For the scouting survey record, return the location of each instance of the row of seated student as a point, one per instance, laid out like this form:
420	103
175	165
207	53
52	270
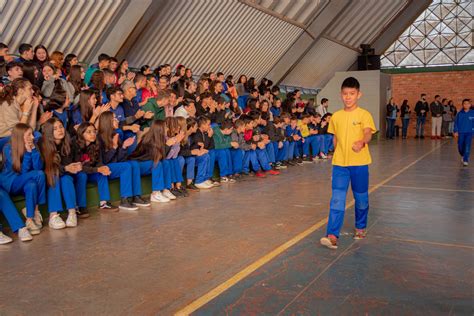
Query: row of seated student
59	131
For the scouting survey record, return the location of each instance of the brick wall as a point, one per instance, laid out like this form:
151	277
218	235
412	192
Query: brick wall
453	85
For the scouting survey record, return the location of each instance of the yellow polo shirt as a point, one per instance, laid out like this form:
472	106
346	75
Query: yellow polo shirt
304	129
348	127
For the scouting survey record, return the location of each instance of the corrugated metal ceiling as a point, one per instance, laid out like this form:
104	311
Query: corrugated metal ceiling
65	25
213	35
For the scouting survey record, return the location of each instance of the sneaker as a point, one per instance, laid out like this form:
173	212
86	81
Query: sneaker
280	166
82	212
140	202
329	241
273	172
204	185
465	163
38	218
126	205
108	207
215	183
159	197
56	222
71	220
32	227
176	193
360	234
260	174
323	156
24	234
299	161
291	163
4	239
422	137
227	180
183	191
192	187
169	195
307	160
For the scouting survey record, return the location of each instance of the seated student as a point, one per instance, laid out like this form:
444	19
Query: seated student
98	82
276	107
328	138
221	114
22	174
235	109
13	218
172	167
252	106
239	146
309	138
263	136
296	140
87	109
187	156
186	110
257	155
140	84
114	151
150	153
222	145
315	129
104	61
58	104
278	146
202	139
265	110
64	175
90	155
52	79
206	105
190	92
157	107
109	78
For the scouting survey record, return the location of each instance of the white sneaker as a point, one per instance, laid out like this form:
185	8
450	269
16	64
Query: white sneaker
38	219
71	220
323	156
465	163
24	234
208	182
56	222
159	197
169	195
225	179
4	239
216	184
32	227
204	185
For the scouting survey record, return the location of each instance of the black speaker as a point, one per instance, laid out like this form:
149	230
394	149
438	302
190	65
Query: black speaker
368	62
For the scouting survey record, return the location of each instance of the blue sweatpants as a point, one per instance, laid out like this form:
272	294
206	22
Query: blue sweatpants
262	157
328	142
270	148
224	160
314	142
172	172
122	170
202	168
358	176
211	164
464	145
237	155
281	154
190	163
10	212
33	186
148	167
69	187
250	157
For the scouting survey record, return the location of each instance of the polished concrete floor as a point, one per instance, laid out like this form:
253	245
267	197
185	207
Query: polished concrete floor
417	259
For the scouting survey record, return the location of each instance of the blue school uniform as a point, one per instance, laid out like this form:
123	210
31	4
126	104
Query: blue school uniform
295	147
464	126
30	181
9	210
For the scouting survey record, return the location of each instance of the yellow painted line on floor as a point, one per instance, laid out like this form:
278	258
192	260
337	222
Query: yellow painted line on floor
425	188
209	296
417	241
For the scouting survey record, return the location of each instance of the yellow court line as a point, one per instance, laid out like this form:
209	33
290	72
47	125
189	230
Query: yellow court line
201	301
424	188
417	241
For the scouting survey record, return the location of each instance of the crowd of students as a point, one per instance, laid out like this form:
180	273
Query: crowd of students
62	126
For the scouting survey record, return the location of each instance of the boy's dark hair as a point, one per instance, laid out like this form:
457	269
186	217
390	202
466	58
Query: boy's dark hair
238	123
285	115
113	59
3	46
276	89
324	100
316	115
188	102
265	91
466	100
254	115
144	67
11	65
138	77
203	120
253	90
293	118
149	77
437	96
219	74
108	72
190	122
226	125
423	95
24	47
110	91
103	57
162	95
220	100
205	95
350	82
277	120
304	116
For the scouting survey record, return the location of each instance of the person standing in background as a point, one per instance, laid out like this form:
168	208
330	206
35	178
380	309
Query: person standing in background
322	109
421	109
436	109
453	111
447	119
392	110
405	117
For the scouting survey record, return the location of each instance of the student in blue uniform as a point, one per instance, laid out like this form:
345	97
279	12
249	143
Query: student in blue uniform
64	175
8	209
464	129
22	174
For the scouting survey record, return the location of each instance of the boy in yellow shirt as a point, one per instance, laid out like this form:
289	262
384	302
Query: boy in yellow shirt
352	128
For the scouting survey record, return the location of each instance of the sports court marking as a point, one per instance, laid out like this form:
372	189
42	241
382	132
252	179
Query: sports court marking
417	241
425	188
209	296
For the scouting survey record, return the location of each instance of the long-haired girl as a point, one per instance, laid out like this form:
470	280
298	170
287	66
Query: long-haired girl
172	167
64	175
114	154
22	174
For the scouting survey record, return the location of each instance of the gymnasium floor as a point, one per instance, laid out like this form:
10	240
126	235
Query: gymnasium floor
253	248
